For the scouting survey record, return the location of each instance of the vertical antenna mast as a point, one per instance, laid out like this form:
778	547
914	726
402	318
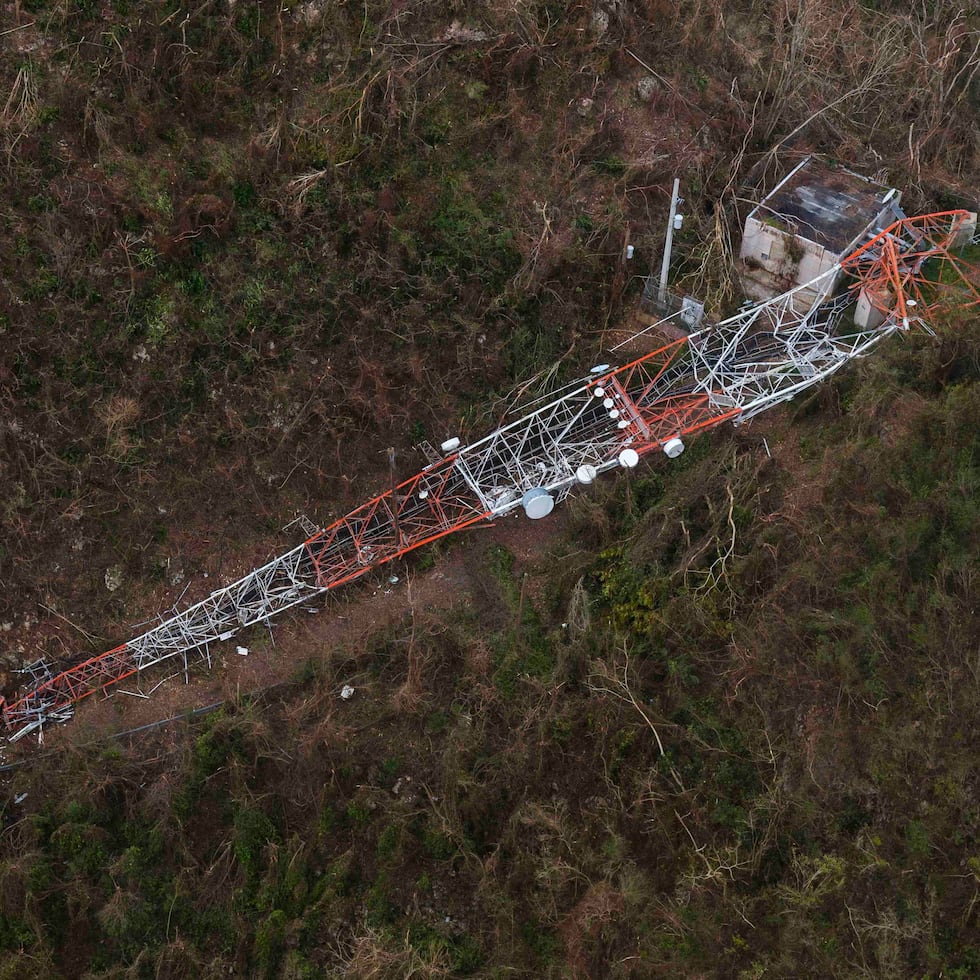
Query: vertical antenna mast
669	241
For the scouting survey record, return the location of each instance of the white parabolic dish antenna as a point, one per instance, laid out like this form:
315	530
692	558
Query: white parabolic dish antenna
585	474
538	503
628	458
673	448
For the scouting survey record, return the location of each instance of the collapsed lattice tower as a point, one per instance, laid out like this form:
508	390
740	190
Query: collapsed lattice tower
903	277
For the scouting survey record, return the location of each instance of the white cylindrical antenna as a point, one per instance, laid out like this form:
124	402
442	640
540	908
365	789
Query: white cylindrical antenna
673	447
538	503
450	445
678	222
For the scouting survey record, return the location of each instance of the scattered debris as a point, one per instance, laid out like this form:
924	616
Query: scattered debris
456	33
19	798
113	577
308	527
347	692
393	580
26	730
241	651
39	672
309	14
647	88
600	22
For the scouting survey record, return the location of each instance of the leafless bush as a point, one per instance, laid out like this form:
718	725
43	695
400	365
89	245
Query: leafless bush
411	694
22	103
613	678
300	187
579	614
373	956
20	111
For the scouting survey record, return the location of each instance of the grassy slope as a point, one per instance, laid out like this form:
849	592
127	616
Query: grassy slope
249	237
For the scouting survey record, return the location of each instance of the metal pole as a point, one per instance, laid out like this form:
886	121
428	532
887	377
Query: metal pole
662	295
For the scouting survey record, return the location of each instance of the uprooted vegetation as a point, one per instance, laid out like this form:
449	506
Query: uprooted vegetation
724	726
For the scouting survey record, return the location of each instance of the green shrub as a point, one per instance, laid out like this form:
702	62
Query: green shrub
253	831
270	941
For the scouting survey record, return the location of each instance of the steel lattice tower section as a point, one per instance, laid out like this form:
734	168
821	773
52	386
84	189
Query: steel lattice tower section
732	370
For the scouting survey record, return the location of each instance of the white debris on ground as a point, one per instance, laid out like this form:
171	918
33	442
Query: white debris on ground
241	651
347	692
456	33
113	577
647	88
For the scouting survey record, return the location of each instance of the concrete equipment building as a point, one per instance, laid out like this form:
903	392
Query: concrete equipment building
815	216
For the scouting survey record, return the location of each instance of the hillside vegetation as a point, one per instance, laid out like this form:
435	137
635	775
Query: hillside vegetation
723	724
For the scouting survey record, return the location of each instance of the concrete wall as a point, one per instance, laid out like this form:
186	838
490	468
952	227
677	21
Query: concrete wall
773	261
967	231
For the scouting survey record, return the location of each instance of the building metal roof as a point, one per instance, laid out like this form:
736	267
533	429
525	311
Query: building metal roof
824	204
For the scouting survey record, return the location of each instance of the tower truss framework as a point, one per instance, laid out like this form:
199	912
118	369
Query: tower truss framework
732	370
